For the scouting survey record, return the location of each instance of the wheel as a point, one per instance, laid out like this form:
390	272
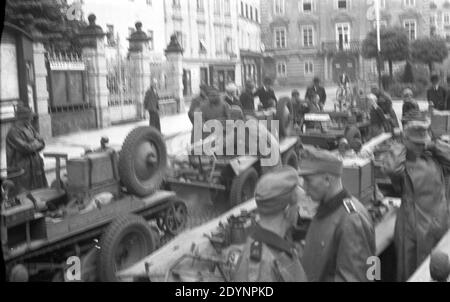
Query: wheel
291	159
143	161
175	219
243	187
284	116
126	241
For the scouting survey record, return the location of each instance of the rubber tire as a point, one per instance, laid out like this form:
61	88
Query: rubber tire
116	232
291	159
284	124
126	167
238	185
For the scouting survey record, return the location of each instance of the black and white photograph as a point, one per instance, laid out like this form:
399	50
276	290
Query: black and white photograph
214	144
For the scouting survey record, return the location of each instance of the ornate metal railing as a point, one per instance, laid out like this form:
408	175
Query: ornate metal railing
333	47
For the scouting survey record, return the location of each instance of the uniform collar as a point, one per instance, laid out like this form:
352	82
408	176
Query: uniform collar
272	240
331	205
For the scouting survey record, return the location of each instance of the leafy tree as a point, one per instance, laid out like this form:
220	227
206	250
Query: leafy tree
46	18
429	50
394	45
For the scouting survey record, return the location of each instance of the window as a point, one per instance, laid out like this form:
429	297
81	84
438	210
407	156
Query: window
227	7
176	4
242	9
256	15
218	40
149	2
382	4
251	13
309	67
411	28
343	35
151	39
342	4
203	48
217	7
306	6
279	6
200	5
410	3
308	36
229	43
280	37
432	20
246	11
446	19
281	69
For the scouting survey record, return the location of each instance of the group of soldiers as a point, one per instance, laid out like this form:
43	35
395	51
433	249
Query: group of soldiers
341	239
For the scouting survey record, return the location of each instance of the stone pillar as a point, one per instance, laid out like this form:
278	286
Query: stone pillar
174	55
92	40
326	68
42	96
140	60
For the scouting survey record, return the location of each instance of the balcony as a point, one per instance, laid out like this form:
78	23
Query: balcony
333	47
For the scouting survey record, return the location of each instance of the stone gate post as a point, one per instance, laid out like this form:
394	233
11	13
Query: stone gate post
92	39
42	95
140	59
174	55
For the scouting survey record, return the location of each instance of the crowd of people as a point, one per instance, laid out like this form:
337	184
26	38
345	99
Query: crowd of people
341	237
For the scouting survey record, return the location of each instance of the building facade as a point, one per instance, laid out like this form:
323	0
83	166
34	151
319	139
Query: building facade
440	18
308	38
208	33
249	39
118	18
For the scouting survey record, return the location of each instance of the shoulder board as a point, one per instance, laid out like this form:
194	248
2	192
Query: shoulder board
256	251
349	205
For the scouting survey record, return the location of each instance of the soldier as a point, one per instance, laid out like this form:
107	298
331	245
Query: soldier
341	237
316	88
247	98
151	103
23	145
266	95
418	168
267	255
230	96
198	102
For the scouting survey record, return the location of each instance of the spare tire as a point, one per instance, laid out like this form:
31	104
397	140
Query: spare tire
126	241
243	187
285	116
143	161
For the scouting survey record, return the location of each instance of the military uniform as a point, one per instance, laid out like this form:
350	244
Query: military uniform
423	218
267	256
340	239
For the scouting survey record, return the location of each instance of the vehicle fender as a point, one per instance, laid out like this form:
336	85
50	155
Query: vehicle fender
242	163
